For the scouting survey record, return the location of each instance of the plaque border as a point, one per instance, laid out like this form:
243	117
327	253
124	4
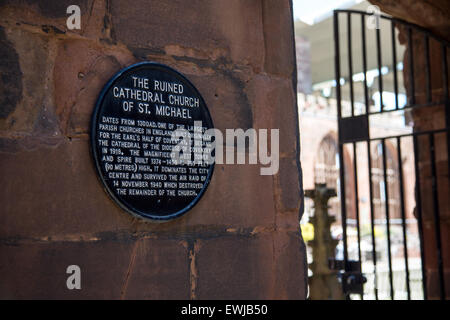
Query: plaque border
93	125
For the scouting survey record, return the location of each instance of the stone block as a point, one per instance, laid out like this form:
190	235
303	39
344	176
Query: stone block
237	197
160	270
274	103
37	270
235	268
55	191
264	266
291	268
278	38
46	16
82	69
63	195
28	59
226	101
231	26
288	185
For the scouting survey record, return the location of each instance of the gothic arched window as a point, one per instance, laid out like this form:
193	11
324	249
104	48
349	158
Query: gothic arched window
379	193
326	170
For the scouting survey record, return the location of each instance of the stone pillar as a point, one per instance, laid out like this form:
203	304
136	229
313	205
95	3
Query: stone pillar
241	241
323	284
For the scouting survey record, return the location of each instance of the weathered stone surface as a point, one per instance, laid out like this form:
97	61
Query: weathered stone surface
44	16
221	26
159	270
31	207
31	95
432	14
228	104
81	70
431	256
11	79
226	206
83	67
433	283
274	108
278	38
247	203
37	270
291	268
235	268
48	192
266	266
288	184
54	209
48	8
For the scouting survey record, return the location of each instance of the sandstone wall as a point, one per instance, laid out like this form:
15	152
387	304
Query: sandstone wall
242	239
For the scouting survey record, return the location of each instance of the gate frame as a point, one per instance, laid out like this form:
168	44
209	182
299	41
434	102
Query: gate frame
360	132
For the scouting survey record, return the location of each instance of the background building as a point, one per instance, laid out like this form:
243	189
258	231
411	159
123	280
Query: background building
319	135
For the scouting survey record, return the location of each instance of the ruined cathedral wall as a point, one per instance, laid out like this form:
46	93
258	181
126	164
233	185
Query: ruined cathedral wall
241	240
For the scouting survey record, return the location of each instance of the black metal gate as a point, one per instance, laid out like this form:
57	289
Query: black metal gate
397	178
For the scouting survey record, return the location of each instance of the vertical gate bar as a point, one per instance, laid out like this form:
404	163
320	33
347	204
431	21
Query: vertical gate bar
343	206
340	147
355	176
394	63
419	215
427	67
350	61
364	61
402	209
337	62
411	69
437	221
372	222
380	76
386	207
366	102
